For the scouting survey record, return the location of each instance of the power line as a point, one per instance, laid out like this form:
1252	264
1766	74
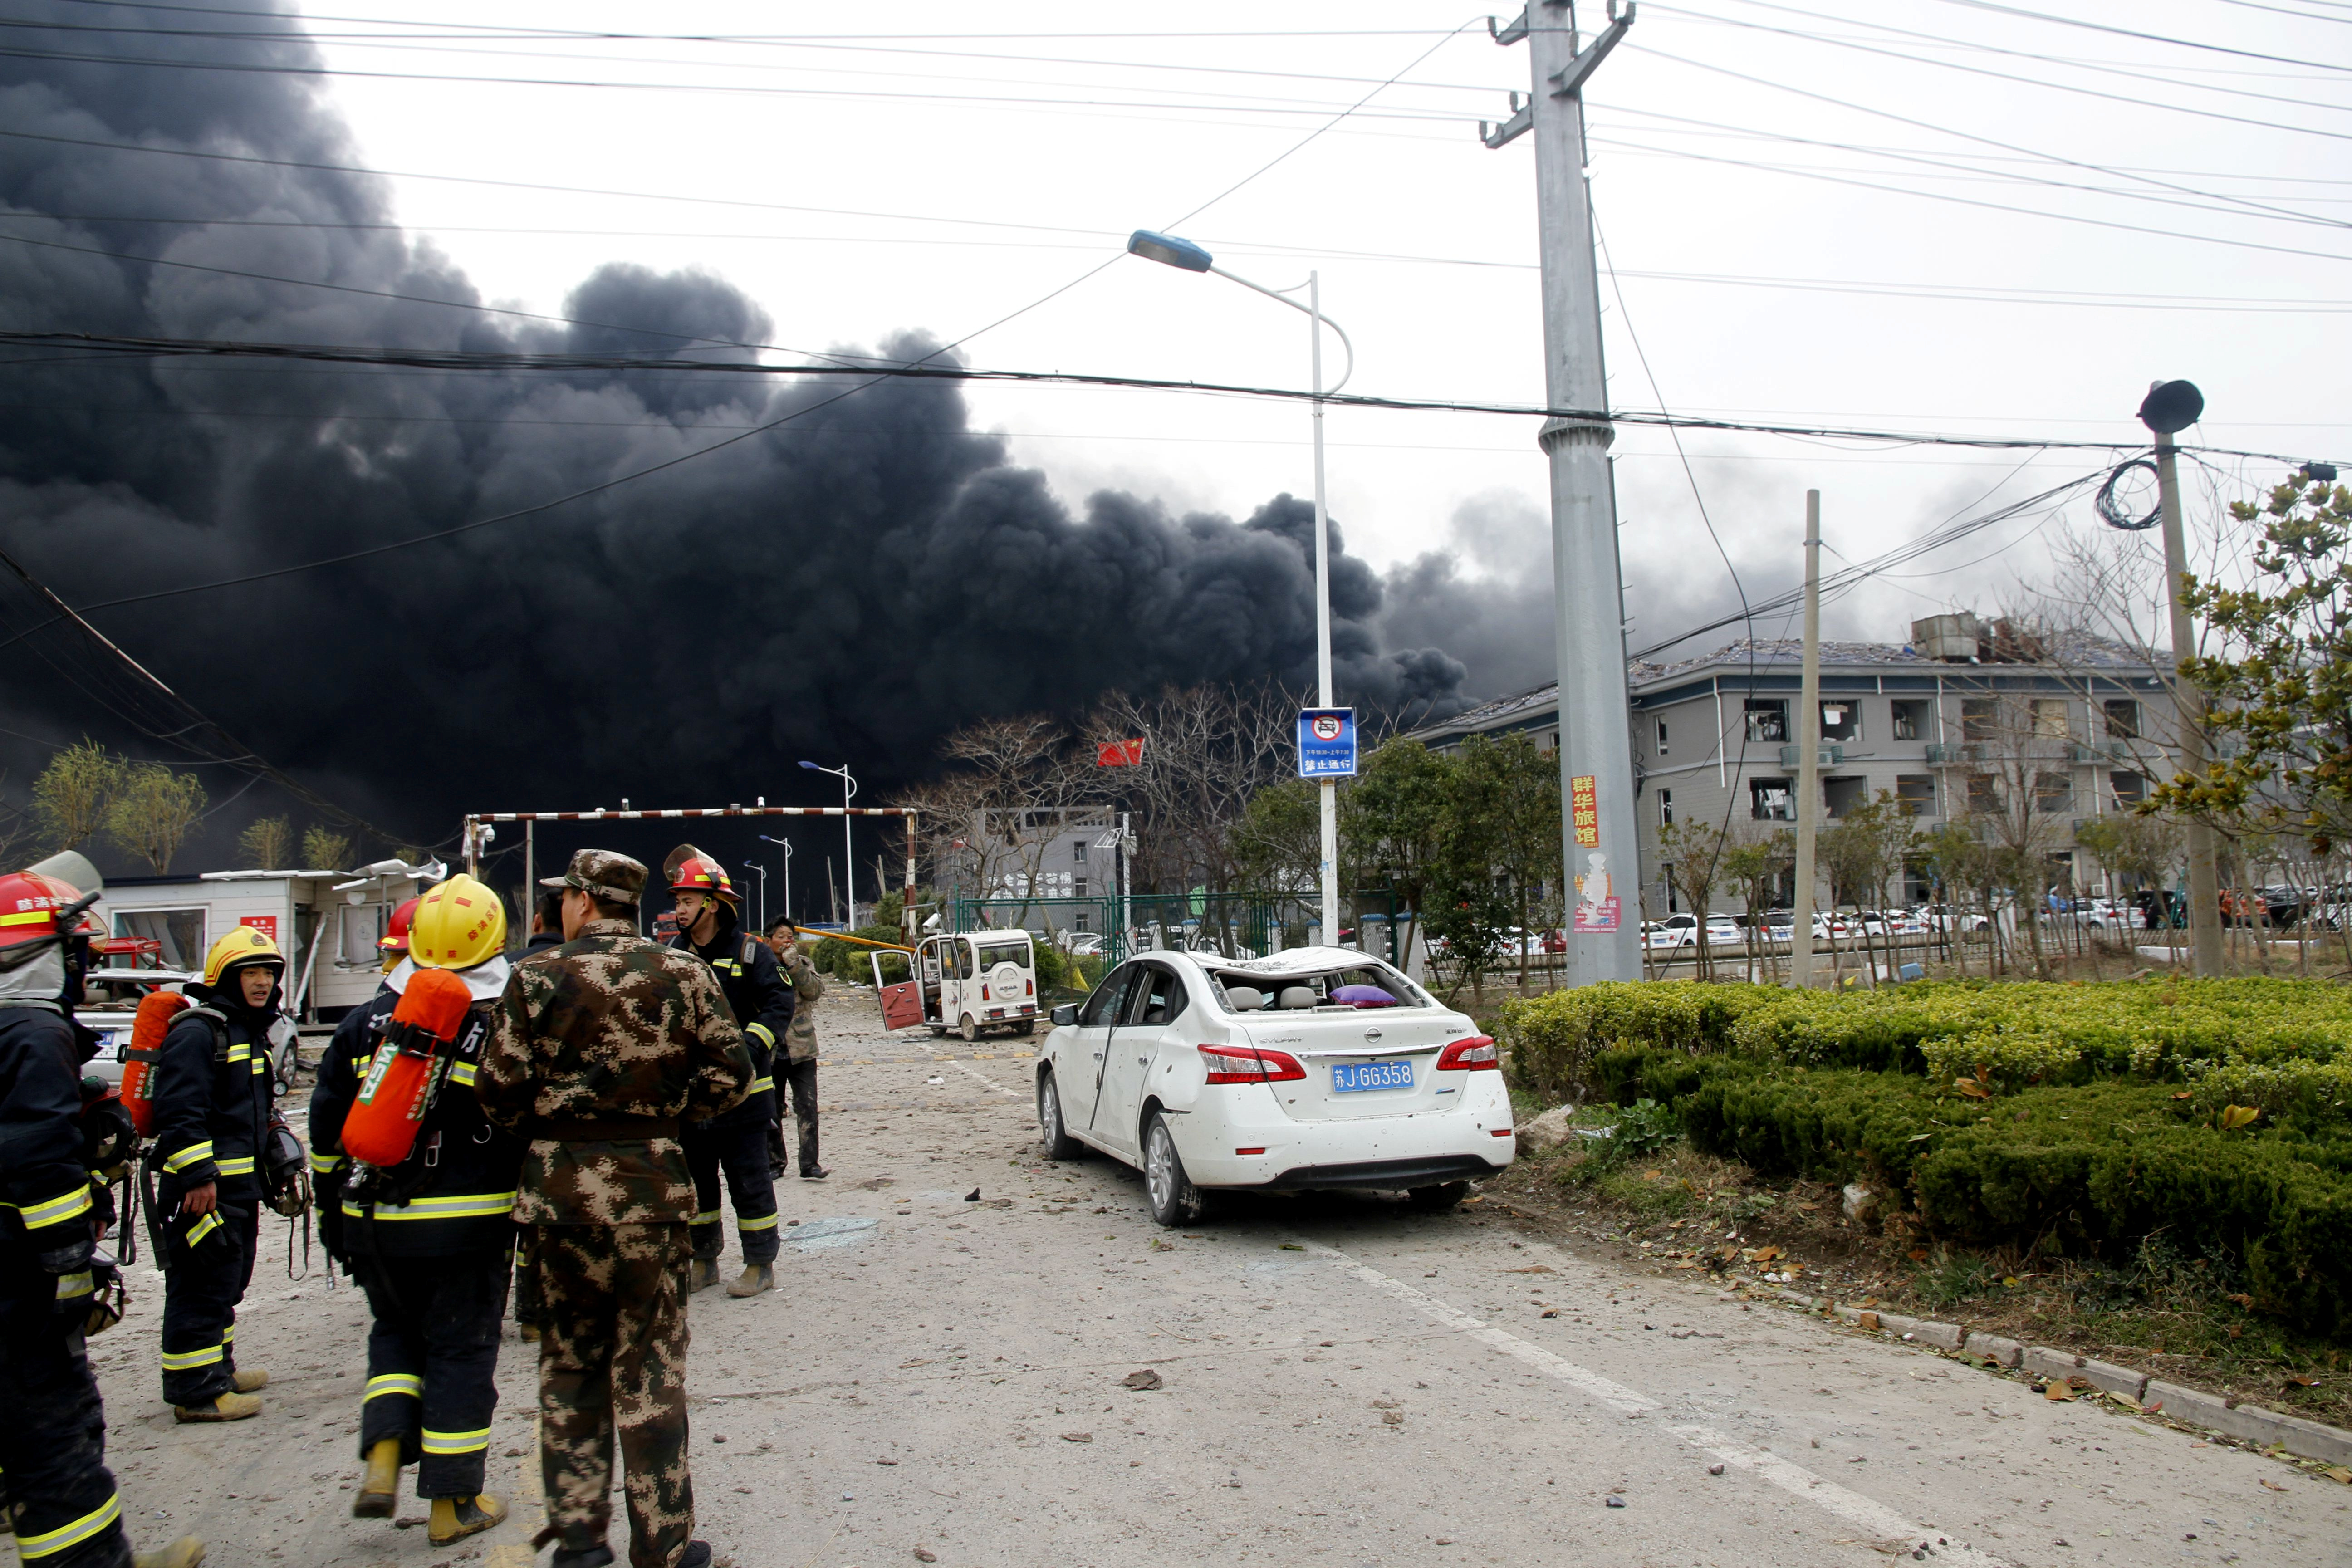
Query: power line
1982	48
2144	37
1988	206
1840	581
1924	125
729	88
514	363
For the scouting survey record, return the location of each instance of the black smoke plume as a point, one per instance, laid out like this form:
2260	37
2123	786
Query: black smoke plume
854	586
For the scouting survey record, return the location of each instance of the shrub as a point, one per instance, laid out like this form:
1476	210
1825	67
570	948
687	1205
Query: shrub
2090	1166
2023	1034
1555	1037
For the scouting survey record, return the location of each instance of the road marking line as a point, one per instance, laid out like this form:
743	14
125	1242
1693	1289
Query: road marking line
1793	1478
971	1071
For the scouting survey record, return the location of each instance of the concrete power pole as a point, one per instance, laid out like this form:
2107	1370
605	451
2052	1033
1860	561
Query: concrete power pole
1808	756
1596	748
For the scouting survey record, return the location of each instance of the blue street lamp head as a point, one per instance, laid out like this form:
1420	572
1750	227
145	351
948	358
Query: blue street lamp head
1168	249
811	766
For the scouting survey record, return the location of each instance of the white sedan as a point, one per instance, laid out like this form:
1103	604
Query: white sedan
1315	1067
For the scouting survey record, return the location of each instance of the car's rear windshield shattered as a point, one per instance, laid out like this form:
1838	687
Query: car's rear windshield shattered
1341	986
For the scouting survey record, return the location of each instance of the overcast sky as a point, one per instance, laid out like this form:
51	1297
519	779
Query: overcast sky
1927	214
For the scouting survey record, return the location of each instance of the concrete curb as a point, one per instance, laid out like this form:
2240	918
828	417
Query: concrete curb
2247	1423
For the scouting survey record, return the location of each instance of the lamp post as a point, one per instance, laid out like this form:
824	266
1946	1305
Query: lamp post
848	850
2170	407
1187	257
787	846
755	866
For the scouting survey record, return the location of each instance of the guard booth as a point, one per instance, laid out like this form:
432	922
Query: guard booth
973	981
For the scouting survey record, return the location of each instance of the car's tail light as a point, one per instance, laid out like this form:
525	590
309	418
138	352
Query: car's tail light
1247	1064
1473	1053
983	992
1028	988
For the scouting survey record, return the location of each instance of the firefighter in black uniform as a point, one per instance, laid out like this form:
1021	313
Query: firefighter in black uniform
213	1113
737	1140
56	1284
431	1239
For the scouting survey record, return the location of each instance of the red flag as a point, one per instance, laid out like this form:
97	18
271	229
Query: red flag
1119	753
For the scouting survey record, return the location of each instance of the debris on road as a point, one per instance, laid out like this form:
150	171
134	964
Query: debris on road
1078	1436
1142	1382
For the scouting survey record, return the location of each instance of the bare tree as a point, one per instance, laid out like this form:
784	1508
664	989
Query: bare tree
1697	850
2019	794
1207	750
1754	860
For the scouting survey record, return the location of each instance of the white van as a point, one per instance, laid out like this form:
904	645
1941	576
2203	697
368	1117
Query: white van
979	980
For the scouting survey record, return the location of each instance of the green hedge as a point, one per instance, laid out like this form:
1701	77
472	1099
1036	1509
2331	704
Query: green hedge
2274	1039
2072	1167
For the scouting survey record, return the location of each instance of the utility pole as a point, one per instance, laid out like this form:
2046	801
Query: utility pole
2170	407
1809	755
1600	838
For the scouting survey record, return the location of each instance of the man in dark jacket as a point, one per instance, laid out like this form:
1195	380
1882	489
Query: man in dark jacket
546	924
54	1280
213	1109
736	1142
430	1238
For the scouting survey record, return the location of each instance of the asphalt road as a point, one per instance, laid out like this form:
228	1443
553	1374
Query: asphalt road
1340	1380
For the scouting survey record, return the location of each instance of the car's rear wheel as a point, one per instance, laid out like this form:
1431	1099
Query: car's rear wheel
1439	1198
1174	1199
1028	1029
968	1028
1059	1144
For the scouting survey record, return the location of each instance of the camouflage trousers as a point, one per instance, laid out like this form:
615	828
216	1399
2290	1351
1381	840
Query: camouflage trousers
611	1354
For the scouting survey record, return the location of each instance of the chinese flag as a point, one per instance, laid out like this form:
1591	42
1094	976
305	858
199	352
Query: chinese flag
1119	753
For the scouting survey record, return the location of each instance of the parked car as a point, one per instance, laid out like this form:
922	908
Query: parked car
1678	931
1082	943
1314	1067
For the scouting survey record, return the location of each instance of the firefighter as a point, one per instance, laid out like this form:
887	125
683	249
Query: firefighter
57	1285
736	1140
393	943
431	1241
213	1114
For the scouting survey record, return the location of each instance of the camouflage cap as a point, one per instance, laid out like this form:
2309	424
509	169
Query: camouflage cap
606	873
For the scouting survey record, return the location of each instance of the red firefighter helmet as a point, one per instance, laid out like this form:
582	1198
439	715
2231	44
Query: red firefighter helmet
395	934
36	908
701	874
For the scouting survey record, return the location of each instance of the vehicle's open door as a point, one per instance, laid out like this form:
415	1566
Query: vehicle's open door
902	1004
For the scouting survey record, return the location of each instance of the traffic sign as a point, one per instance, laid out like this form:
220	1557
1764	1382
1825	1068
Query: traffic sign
1327	744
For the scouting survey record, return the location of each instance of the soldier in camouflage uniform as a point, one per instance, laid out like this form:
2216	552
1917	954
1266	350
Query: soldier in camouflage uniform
796	1063
601	1048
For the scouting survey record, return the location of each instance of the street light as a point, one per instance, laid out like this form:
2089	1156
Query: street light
787	846
1186	256
848	850
755	866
